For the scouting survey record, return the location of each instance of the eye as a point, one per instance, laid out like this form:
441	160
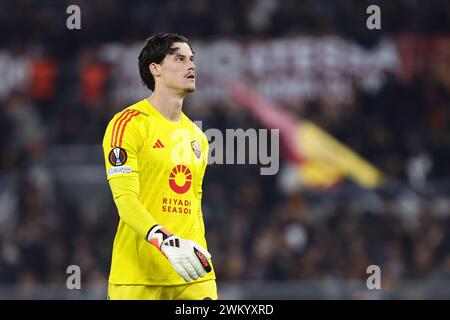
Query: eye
179	59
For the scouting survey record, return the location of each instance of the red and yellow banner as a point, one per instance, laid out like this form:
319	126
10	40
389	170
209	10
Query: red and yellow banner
321	160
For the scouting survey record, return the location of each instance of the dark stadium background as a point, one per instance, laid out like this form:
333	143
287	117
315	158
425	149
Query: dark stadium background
269	238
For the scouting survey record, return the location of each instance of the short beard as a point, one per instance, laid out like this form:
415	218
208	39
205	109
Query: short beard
189	90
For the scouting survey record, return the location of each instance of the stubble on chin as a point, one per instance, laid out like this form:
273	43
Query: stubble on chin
189	89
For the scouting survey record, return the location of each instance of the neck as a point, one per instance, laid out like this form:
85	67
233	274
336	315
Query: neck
168	105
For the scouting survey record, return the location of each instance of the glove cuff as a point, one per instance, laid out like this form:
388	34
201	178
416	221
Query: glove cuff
157	235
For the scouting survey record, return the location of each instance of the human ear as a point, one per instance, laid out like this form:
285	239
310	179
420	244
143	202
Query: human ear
155	69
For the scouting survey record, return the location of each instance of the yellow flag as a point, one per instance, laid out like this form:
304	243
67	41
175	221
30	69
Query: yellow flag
327	160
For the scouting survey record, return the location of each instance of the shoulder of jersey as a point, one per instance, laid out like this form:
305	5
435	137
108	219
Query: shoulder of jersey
122	119
198	131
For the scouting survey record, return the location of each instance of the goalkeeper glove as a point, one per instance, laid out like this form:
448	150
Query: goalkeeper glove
189	259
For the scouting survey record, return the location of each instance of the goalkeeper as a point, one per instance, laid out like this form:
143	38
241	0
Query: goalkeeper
155	162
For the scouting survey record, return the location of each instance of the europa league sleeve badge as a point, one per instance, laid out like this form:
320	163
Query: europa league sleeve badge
117	157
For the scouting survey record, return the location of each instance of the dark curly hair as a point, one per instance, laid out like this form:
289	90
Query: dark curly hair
155	50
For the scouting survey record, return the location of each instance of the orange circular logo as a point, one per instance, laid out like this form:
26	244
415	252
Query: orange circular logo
179	174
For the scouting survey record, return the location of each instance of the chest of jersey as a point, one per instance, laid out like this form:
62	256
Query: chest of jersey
172	163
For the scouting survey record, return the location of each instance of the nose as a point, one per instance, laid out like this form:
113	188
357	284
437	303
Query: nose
191	65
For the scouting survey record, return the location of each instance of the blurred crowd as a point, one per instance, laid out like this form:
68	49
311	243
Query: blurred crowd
254	230
116	20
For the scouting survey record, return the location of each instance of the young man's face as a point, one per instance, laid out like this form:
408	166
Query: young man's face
177	71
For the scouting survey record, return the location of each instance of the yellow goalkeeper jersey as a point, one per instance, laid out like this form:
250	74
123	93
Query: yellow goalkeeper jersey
166	162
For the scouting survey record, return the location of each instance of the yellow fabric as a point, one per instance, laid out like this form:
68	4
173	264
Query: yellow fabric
195	291
328	160
130	209
159	182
